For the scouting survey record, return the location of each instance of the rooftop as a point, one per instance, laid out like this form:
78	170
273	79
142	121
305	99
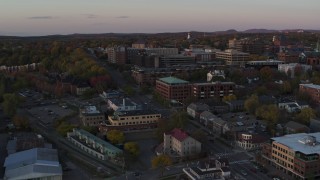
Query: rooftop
314	86
179	134
302	142
135	112
173	80
98	140
89	110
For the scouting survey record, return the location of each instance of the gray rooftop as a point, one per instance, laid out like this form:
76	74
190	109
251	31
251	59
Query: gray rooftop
314	86
302	142
32	163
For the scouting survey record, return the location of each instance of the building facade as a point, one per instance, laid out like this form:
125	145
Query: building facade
312	90
172	88
90	116
296	154
131	120
233	57
212	89
93	145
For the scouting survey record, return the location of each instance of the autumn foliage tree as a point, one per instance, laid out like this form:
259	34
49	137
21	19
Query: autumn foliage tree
251	104
305	115
133	148
161	162
115	136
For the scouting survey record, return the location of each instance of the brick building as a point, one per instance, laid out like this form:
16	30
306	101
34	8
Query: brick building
212	89
312	90
172	88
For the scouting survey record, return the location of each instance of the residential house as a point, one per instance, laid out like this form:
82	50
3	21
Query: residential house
194	109
292	127
236	105
250	141
178	143
209	169
315	125
212	121
292	106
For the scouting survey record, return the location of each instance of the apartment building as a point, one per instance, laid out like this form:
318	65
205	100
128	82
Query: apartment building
178	143
90	116
93	145
172	88
312	90
233	57
117	55
296	154
212	89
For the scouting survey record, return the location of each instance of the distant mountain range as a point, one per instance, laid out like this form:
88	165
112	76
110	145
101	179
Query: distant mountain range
194	33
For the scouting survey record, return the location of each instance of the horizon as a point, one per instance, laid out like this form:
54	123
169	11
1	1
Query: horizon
39	18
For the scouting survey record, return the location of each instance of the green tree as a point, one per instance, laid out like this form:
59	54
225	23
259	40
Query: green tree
269	113
161	162
64	127
10	104
305	115
286	88
179	119
251	104
115	136
133	148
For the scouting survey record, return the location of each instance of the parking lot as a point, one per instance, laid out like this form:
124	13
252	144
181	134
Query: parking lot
47	114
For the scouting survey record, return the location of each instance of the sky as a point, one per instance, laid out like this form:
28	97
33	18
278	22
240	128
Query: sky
48	17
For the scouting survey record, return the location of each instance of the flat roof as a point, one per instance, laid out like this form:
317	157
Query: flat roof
89	110
302	142
314	86
173	80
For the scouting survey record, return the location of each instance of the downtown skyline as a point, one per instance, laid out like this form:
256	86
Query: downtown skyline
44	17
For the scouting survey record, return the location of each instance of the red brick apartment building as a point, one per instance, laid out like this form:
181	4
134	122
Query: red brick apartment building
172	88
311	89
298	155
212	89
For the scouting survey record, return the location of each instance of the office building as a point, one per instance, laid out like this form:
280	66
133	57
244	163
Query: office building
233	57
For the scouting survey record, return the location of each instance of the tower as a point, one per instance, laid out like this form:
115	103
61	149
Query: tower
189	36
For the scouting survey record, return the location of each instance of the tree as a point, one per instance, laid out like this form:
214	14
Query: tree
133	148
251	104
179	119
161	162
286	88
270	113
115	136
230	97
10	104
266	73
21	122
305	115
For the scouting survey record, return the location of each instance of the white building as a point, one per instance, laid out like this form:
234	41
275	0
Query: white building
291	68
179	143
124	104
233	57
